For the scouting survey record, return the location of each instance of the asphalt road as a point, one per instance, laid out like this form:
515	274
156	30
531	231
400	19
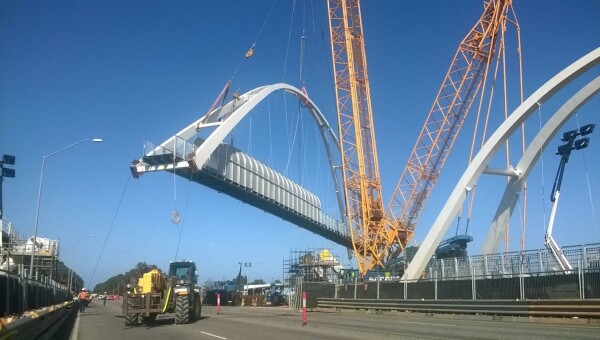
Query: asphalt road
106	322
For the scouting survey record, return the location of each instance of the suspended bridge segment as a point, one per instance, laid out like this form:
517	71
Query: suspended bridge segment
220	166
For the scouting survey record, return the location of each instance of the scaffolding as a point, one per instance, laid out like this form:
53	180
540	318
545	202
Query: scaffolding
311	265
16	252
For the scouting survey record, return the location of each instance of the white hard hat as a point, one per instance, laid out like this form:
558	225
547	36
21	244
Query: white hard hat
83	289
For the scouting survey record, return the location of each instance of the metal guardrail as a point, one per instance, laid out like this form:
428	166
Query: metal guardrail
43	322
547	308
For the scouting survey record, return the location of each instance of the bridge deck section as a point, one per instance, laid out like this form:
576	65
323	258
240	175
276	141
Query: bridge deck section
230	171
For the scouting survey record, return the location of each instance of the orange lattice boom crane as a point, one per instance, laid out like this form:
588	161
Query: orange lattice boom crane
377	235
465	77
362	185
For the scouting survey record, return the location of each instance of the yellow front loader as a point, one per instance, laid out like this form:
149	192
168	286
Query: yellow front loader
156	293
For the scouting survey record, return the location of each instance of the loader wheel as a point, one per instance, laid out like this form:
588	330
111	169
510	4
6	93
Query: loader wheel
131	319
182	309
197	307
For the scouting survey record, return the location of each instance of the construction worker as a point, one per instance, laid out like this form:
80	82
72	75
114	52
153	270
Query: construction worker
84	299
104	298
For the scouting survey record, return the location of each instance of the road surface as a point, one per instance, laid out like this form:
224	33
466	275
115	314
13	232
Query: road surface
105	322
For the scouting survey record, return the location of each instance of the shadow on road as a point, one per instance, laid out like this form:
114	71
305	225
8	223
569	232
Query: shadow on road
159	322
84	314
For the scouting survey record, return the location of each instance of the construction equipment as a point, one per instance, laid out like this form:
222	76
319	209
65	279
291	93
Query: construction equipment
380	236
564	151
156	293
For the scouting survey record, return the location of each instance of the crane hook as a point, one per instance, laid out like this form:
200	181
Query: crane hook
250	51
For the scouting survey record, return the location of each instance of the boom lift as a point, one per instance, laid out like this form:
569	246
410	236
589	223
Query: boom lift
380	236
571	143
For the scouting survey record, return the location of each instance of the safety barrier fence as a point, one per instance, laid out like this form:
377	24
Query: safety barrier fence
33	324
581	284
19	294
544	308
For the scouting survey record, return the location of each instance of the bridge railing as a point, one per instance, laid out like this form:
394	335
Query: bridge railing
512	264
179	147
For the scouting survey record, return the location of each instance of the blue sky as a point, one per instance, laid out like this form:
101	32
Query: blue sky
130	71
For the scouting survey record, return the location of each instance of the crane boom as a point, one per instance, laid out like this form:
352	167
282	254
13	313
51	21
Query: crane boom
362	183
465	76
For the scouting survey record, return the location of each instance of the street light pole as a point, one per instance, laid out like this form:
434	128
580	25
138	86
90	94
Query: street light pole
37	210
247	265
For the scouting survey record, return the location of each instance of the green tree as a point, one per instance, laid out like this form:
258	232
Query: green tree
243	279
118	284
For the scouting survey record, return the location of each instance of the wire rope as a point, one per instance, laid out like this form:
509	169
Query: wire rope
522	227
287	49
249	148
270	133
110	228
182	224
303	44
287	121
175	217
587	177
542	164
292	146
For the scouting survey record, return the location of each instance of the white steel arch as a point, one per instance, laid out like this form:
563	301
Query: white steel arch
529	158
226	117
487	152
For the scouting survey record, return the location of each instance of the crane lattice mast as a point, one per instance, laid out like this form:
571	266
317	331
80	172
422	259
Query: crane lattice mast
448	112
377	235
362	183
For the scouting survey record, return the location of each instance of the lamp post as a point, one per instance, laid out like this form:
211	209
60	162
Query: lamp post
247	265
37	211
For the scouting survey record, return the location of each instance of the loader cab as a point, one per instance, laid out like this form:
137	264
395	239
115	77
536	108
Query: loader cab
184	272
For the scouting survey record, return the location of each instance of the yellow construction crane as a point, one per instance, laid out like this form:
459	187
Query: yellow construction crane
362	185
377	235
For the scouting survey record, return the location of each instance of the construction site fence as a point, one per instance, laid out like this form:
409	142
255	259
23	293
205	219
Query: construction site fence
19	294
579	284
585	256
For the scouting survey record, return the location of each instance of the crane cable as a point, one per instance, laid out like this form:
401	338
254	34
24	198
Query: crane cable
287	124
587	177
287	49
110	228
182	225
303	39
248	55
542	162
175	217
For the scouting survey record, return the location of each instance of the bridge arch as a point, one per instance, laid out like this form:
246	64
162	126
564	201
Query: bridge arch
487	152
512	191
225	118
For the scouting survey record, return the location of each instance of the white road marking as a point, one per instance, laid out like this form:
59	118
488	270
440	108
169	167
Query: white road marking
75	331
216	336
428	324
